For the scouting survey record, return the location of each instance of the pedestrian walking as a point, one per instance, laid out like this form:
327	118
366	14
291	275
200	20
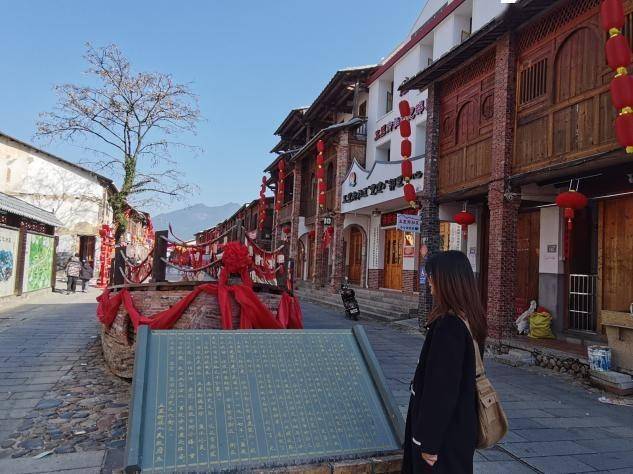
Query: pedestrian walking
442	420
73	270
85	274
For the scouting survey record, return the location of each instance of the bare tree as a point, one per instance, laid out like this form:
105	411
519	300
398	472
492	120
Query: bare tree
128	120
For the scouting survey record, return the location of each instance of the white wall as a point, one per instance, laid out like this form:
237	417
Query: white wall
375	251
551	238
486	10
76	198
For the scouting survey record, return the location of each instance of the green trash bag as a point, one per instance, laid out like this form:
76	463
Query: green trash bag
541	326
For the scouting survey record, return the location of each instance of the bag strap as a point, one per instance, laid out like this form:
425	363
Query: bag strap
479	363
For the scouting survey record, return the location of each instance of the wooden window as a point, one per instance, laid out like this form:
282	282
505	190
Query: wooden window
533	82
627	31
389	103
577	64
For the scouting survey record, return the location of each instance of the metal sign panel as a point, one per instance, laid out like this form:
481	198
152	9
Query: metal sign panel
408	223
206	400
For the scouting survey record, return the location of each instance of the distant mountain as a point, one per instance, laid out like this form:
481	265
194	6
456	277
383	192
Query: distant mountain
185	222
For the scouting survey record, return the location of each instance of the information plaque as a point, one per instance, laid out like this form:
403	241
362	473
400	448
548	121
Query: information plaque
213	401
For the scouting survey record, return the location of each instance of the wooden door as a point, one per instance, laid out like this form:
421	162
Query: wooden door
617	255
355	255
393	259
528	241
87	249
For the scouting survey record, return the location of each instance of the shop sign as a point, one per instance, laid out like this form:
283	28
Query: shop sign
379	187
389	127
327	221
408	223
390	219
408	250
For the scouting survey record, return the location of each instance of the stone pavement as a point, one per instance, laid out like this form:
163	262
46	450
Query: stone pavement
556	424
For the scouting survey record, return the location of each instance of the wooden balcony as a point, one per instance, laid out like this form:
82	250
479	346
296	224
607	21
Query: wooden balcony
285	214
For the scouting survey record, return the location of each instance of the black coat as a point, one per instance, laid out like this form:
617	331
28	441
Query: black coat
442	416
86	272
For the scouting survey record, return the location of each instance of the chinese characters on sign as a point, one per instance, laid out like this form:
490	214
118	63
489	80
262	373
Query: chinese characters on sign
237	400
389	127
379	187
408	223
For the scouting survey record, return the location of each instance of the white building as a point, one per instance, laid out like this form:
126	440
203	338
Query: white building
76	196
372	195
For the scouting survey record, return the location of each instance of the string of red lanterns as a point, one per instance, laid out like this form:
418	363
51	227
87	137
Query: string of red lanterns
279	197
320	173
405	150
618	55
262	205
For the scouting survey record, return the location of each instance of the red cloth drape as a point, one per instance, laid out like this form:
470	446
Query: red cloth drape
253	313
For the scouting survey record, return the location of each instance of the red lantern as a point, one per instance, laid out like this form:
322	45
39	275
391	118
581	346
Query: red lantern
622	91
409	193
320	146
405	108
618	52
611	15
405	129
282	165
570	201
624	131
320	173
407	168
464	218
405	148
286	229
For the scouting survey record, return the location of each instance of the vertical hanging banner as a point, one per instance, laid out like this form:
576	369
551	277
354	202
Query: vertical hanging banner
8	260
38	262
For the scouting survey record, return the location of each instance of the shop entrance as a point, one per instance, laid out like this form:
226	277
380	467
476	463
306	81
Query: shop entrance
393	259
355	255
617	255
528	241
87	249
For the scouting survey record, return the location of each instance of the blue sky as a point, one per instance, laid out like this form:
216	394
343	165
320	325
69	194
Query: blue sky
250	62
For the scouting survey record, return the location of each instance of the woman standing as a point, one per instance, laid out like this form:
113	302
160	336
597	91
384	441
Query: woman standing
442	423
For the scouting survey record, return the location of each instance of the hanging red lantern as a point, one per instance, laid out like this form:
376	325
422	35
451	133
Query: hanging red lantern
405	108
405	148
622	91
570	201
618	52
407	168
409	193
279	197
320	146
464	218
405	128
286	230
611	15
320	173
624	131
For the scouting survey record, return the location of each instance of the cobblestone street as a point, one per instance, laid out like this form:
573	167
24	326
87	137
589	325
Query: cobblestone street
56	395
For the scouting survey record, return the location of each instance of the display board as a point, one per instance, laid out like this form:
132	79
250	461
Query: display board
8	260
209	401
38	262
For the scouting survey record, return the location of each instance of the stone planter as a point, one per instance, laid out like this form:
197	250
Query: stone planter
619	328
118	340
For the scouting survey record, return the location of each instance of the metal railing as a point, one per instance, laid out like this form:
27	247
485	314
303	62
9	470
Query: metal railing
582	302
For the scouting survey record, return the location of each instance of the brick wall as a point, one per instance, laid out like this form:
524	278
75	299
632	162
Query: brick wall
429	211
503	213
409	279
375	278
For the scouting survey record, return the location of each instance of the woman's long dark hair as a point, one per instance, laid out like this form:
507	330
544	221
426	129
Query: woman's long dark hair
456	291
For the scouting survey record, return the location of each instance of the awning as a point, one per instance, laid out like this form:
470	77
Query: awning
22	208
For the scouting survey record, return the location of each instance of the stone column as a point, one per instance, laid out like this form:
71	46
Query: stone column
430	210
503	213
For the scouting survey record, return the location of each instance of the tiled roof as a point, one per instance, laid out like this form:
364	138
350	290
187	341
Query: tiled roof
22	208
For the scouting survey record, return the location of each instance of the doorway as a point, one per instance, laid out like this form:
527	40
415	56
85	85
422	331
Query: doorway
87	249
528	241
355	255
393	259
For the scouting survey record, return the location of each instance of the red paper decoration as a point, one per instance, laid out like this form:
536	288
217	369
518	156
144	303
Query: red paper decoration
262	205
279	198
405	128
405	147
570	201
407	169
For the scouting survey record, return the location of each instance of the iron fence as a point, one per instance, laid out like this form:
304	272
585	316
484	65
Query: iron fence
582	302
